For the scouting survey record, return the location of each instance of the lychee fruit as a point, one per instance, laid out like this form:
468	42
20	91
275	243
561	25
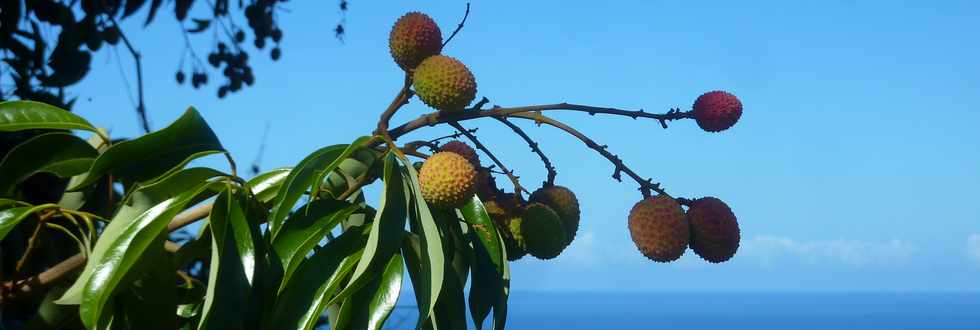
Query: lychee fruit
463	150
659	229
513	240
447	180
714	229
486	185
716	111
541	229
444	83
563	201
414	37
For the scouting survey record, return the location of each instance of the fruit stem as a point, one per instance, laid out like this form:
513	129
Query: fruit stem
534	148
646	185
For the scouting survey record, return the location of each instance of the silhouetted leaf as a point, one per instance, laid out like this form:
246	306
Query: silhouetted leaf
132	6
155	154
63	154
153	11
201	25
181	8
24	115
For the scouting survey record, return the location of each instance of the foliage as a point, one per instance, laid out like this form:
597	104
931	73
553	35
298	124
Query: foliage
281	249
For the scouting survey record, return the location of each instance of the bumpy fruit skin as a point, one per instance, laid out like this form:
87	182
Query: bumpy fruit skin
448	180
714	230
514	241
462	149
544	237
444	83
414	38
486	185
716	111
659	228
563	201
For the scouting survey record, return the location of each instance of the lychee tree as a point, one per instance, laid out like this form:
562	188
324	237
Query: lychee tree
284	248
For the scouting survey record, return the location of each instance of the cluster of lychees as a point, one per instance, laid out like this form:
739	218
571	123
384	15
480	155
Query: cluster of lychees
546	223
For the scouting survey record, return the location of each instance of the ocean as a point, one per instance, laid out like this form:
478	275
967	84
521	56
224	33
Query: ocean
731	311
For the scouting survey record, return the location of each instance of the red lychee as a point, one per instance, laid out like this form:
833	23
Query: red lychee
714	230
659	229
414	38
716	111
462	149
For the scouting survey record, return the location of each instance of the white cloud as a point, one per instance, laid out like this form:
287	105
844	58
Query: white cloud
973	247
772	249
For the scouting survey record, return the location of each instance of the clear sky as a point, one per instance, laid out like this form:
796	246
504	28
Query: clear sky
854	166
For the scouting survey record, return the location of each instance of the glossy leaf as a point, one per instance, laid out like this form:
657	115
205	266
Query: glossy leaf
298	181
305	228
304	298
134	206
9	218
386	233
235	251
156	154
432	255
490	272
114	255
60	153
450	308
371	306
266	186
22	115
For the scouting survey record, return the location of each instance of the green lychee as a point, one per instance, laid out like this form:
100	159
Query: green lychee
444	83
563	201
544	237
447	180
513	240
659	228
714	230
414	38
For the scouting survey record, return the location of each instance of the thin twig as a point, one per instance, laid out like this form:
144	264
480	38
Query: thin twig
535	148
510	173
458	27
453	136
141	106
646	185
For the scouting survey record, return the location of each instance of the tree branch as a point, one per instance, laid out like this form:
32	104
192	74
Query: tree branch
646	185
510	173
535	148
438	117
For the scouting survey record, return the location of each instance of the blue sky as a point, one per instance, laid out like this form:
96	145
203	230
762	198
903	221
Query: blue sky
854	166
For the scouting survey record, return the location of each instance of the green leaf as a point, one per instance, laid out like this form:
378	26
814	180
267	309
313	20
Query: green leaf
386	233
23	115
305	296
266	186
433	257
156	154
63	154
305	228
114	255
450	309
491	275
151	301
308	173
378	297
133	207
9	218
235	251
